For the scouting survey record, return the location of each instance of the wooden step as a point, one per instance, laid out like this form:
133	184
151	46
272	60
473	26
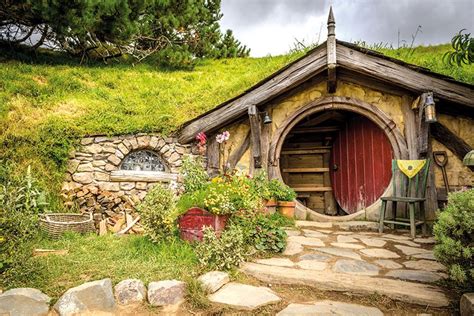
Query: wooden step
304	170
312	189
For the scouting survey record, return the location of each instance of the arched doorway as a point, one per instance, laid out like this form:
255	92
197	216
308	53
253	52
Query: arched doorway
321	125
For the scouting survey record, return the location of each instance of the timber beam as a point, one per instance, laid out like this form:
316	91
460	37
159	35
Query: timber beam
255	132
454	143
331	53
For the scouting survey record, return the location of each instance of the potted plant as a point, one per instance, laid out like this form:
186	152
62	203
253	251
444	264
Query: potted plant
284	195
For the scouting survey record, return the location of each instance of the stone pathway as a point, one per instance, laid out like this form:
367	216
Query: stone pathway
357	261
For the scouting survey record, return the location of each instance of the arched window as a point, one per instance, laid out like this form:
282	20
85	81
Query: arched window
143	160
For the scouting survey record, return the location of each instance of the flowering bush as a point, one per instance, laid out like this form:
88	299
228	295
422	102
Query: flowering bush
280	191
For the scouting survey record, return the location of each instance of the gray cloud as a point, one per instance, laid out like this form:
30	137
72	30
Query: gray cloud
270	27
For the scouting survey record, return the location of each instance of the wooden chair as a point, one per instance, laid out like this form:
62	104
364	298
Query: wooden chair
410	191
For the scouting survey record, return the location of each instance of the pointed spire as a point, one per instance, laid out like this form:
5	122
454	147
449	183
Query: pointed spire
331	23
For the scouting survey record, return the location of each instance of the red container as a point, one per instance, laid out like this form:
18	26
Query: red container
192	223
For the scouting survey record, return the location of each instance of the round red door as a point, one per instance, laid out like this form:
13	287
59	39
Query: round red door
361	164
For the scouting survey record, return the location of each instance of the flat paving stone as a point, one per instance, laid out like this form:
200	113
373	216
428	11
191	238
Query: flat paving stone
292	248
347	245
415	275
373	242
307	241
357	225
313	233
427	265
325	231
313	224
379	253
427	240
213	280
330	308
243	296
279	262
355	267
315	257
388	264
340	252
291	232
407	243
394	237
427	256
407	250
344	238
312	265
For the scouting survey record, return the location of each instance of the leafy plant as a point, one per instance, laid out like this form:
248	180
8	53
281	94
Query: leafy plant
224	252
280	191
454	233
194	175
158	213
463	45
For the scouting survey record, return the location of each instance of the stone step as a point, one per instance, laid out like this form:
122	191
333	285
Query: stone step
410	292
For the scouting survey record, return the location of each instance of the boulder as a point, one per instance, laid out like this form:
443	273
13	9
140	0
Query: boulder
131	291
24	301
164	293
214	280
466	305
91	297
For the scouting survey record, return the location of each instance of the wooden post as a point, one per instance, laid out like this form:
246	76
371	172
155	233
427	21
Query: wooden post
239	152
266	139
213	156
329	201
331	53
255	132
410	127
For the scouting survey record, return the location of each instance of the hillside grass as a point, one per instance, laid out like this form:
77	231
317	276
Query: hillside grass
48	102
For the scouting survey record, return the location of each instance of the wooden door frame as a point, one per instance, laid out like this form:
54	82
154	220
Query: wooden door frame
396	139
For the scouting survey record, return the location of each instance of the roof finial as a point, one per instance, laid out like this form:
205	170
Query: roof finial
331	23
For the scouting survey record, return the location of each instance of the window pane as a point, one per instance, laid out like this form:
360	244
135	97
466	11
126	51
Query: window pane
143	160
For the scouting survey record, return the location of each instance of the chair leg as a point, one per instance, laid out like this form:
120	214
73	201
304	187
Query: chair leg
394	213
423	218
382	216
411	207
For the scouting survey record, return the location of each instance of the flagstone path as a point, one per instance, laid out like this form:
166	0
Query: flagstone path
328	257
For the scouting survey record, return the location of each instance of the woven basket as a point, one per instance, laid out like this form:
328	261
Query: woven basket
55	224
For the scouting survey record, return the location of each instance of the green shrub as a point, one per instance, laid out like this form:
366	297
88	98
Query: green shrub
224	252
194	175
454	231
158	213
280	191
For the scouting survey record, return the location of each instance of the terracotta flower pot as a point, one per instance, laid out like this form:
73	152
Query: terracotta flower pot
192	223
287	208
270	206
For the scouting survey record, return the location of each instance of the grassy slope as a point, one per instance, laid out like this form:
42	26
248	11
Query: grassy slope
45	106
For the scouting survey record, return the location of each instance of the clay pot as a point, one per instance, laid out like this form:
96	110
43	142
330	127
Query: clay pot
192	223
271	206
287	208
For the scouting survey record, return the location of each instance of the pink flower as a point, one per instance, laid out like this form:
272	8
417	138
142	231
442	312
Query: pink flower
201	138
220	138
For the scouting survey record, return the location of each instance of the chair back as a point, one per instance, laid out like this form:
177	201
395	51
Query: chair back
403	185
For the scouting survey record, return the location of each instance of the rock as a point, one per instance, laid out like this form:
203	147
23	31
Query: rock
280	262
427	256
410	292
412	250
379	253
243	296
127	186
427	265
292	248
312	265
388	264
291	232
83	177
313	233
214	280
341	252
307	241
466	305
428	240
373	242
346	245
315	257
394	237
355	267
95	296
168	292
415	275
407	243
357	225
114	160
24	301
313	224
330	308
344	239
131	291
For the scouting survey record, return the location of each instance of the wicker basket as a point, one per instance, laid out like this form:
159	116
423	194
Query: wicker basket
55	224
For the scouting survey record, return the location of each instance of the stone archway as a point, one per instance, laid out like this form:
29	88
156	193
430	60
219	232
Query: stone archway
367	110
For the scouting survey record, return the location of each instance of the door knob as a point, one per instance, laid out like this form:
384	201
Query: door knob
335	167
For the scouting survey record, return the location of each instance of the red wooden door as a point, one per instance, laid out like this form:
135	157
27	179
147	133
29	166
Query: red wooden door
361	160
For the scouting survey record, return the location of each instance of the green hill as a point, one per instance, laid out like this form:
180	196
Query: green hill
46	105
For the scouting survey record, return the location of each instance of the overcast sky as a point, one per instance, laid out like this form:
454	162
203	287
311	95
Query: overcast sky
271	26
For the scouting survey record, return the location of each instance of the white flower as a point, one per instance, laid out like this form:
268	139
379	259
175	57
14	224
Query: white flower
220	138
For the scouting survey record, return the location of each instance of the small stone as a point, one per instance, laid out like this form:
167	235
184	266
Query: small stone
341	252
330	308
313	224
346	245
72	165
315	257
243	296
131	291
110	167
93	149
133	143
292	248
24	301
415	275
168	292
109	186
312	265
429	240
427	256
427	265
307	241
344	239
90	297
355	267
379	253
101	176
87	141
141	185
119	154
83	177
214	280
412	250
127	186
388	264
280	262
154	141
100	139
373	242
109	150
466	305
114	160
143	141
123	149
98	163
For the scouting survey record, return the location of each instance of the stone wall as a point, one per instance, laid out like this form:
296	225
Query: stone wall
91	185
